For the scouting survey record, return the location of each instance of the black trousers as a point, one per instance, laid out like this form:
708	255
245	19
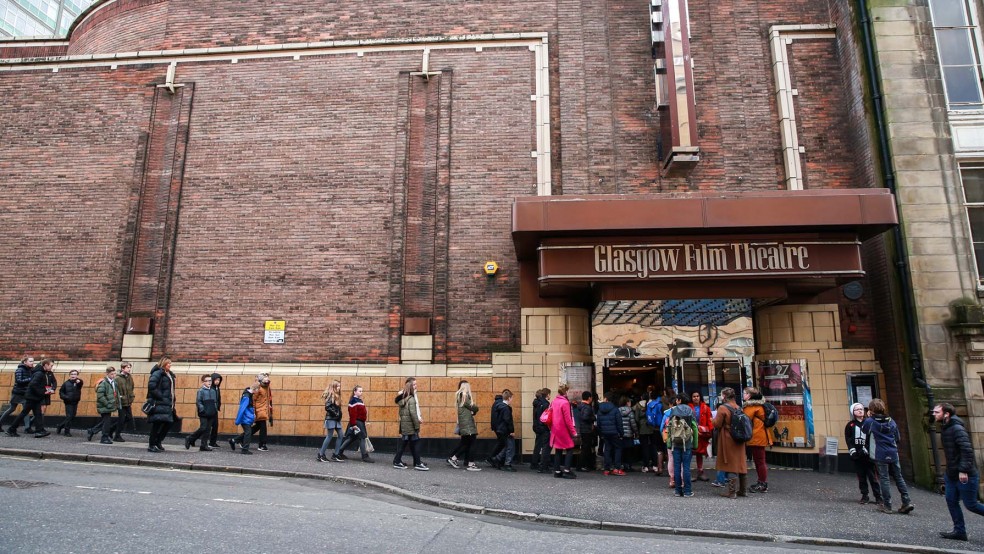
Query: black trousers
464	448
260	427
568	458
205	424
866	472
107	425
588	460
541	449
414	442
70	411
213	434
125	414
158	430
500	444
33	406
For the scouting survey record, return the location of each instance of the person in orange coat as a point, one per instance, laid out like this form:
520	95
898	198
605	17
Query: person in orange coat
705	429
754	408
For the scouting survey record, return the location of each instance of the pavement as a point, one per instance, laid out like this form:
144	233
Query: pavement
801	507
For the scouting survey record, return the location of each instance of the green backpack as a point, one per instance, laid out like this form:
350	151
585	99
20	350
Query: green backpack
681	434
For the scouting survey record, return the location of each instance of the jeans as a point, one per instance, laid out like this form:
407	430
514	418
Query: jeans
721	477
361	436
261	427
893	470
957	492
761	470
508	453
337	433
541	449
681	468
15	400
205	424
463	451
414	442
70	411
864	468
500	445
613	451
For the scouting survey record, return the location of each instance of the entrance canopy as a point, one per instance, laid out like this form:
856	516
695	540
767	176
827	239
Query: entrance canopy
695	245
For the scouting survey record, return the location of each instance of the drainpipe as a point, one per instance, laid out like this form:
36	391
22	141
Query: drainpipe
901	255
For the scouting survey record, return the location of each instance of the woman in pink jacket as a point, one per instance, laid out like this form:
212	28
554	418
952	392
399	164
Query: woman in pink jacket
562	433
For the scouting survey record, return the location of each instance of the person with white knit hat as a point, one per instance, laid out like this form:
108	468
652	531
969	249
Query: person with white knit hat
857	447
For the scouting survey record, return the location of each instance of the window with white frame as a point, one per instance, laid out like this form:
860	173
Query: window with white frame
955	23
972	176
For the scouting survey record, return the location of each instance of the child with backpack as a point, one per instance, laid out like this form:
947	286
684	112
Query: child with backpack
680	433
647	433
754	408
734	430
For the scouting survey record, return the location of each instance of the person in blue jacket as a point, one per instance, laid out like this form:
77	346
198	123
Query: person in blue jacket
245	417
883	448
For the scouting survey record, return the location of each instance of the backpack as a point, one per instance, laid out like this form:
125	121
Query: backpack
771	415
654	414
741	426
680	433
332	411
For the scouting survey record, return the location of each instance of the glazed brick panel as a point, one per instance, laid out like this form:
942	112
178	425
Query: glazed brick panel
122	27
492	135
286	209
69	142
9	50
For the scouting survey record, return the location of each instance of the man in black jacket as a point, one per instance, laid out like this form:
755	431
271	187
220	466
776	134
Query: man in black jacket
71	394
502	424
37	391
22	376
586	429
961	478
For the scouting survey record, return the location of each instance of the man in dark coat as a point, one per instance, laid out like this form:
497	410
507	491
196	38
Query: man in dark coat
22	376
961	478
37	392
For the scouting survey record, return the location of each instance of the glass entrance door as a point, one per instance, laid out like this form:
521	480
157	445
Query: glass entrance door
709	376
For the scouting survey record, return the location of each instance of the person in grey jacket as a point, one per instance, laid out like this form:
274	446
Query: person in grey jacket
208	414
961	478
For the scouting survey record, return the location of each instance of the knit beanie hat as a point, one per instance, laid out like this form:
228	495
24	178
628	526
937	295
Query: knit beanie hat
856	405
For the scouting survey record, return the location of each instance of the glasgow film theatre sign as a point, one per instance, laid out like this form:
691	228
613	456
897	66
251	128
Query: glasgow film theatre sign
707	258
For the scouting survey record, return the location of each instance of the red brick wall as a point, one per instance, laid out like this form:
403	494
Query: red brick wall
123	26
26	50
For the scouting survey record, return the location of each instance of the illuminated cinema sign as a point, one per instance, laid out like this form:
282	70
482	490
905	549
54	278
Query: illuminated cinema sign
560	261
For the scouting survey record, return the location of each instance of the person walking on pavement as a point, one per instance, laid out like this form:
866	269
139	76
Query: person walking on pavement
410	421
754	408
541	445
22	377
333	417
730	453
467	429
214	433
263	403
107	404
705	428
124	384
562	434
505	429
883	449
160	391
37	391
356	431
857	447
245	417
71	394
500	438
587	430
208	415
961	478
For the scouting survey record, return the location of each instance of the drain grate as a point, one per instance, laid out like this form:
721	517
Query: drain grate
12	484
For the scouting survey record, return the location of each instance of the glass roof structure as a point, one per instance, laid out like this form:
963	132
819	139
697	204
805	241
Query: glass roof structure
38	18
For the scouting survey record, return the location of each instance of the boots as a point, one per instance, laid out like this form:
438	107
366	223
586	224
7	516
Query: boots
742	485
730	488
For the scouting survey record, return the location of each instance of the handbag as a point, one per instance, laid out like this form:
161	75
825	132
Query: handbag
546	417
148	406
369	447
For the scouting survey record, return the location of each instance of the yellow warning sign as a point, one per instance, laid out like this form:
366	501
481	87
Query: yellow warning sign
275	325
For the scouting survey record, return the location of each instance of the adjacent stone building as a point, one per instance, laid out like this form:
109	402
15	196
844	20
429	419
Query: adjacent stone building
619	195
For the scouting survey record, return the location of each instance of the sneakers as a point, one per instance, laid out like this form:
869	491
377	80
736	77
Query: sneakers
453	462
762	487
247	451
607	472
907	507
106	440
11	432
717	484
322	458
885	509
205	448
618	472
568	475
678	494
115	439
336	458
399	465
645	469
688	494
342	456
232	444
954	536
89	434
510	469
153	448
492	462
42	434
472	467
864	499
263	448
188	443
421	467
368	460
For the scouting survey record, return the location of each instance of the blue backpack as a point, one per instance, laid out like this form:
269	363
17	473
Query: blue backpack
654	413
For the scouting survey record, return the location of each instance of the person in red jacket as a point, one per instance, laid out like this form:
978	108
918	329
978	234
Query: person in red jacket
356	431
705	428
